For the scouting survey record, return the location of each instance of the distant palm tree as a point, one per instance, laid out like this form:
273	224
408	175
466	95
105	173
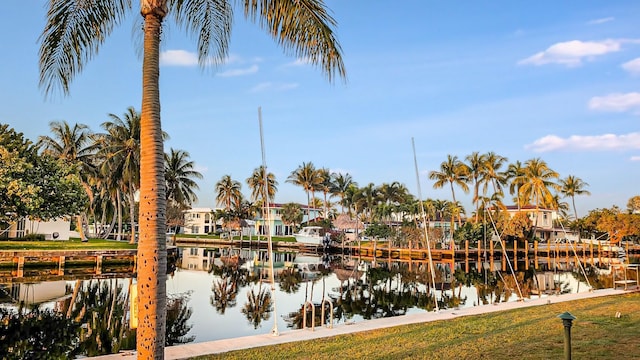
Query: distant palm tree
368	199
228	194
260	192
307	177
340	184
572	186
76	146
72	36
325	187
492	174
515	176
452	171
475	171
539	181
179	173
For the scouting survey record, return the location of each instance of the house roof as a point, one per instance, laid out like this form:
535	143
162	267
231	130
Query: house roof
344	221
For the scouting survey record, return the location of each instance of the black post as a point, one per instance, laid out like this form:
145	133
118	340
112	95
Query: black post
567	321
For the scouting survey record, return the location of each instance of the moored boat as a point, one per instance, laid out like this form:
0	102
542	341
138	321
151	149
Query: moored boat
313	235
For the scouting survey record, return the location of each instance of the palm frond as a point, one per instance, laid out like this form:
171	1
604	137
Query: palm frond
303	28
73	34
210	21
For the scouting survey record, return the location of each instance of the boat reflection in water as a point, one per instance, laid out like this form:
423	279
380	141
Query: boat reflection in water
218	293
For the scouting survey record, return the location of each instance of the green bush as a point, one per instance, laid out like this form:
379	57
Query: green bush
31	237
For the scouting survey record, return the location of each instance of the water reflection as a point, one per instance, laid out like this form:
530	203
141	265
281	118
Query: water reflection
229	291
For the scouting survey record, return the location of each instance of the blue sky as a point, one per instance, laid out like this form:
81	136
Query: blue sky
552	80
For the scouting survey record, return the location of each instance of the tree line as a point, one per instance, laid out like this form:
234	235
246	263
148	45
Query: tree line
94	176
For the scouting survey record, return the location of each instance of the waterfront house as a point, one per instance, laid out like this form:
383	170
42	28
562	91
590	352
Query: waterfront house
546	223
277	226
199	221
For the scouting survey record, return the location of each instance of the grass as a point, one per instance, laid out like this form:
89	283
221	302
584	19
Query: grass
71	244
527	333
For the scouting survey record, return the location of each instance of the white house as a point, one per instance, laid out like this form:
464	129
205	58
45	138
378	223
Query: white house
58	229
196	259
199	221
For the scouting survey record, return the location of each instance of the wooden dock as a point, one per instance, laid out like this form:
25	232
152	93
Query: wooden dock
61	260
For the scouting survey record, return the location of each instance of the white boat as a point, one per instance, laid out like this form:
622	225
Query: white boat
313	235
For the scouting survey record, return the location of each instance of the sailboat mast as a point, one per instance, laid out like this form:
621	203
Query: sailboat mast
424	224
274	330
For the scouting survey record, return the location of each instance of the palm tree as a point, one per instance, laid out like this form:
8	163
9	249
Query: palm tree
572	186
368	199
228	192
257	184
120	147
452	171
515	177
72	36
340	184
325	187
179	173
475	171
76	146
492	174
538	184
307	177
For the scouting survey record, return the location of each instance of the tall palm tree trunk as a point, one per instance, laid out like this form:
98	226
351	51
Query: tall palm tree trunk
152	250
132	209
119	202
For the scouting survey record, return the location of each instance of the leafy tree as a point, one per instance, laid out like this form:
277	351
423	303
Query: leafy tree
178	313
72	36
291	214
515	227
36	186
48	333
633	205
472	231
378	231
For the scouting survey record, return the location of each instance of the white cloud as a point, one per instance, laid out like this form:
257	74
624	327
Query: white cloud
601	20
178	58
187	58
632	66
616	102
572	53
268	86
239	72
635	158
300	62
201	169
579	142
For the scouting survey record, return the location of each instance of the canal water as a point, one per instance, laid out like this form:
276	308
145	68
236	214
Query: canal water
220	293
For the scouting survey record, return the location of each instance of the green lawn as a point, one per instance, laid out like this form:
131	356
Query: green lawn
71	244
528	333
